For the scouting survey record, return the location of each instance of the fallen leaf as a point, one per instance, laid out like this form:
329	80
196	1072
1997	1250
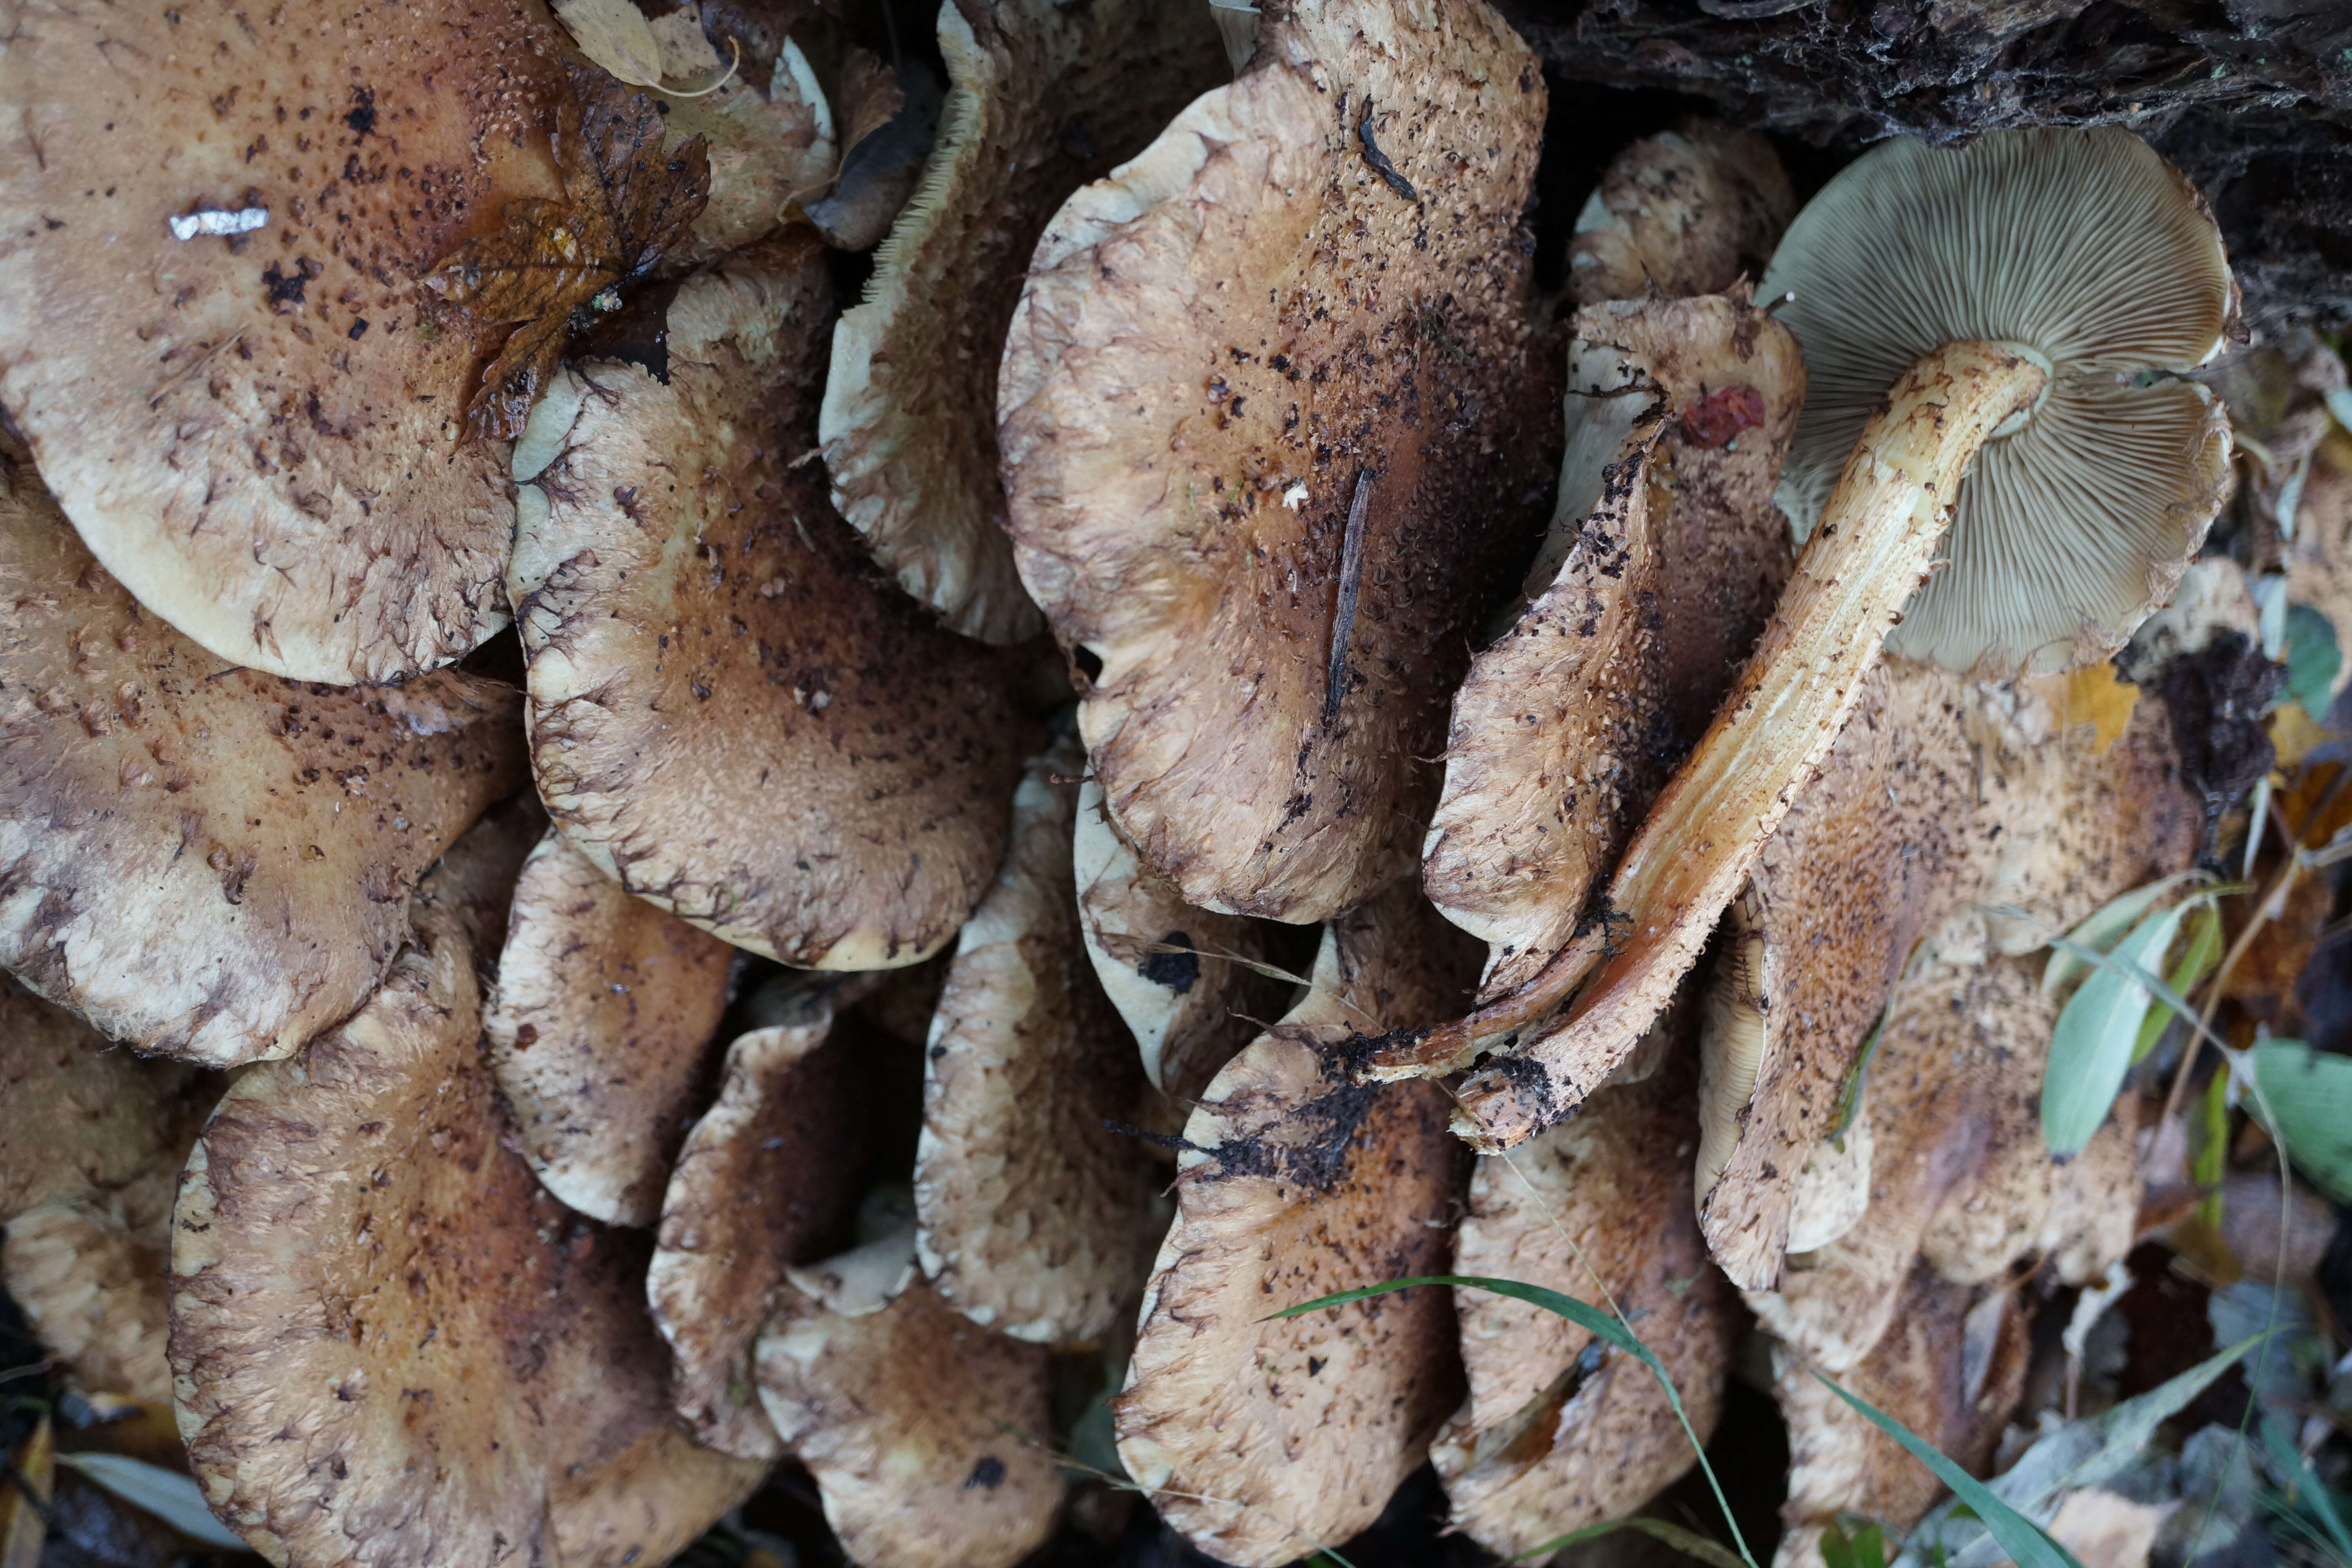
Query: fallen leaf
625	202
2095	695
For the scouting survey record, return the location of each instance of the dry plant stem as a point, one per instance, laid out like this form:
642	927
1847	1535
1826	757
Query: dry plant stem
1879	536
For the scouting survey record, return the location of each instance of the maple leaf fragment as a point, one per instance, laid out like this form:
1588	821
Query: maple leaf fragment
624	203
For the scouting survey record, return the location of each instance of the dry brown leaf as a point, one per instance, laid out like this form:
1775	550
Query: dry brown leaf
624	204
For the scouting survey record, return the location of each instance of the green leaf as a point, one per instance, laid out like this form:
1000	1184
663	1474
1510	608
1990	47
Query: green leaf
1866	1548
2310	1095
2204	951
173	1497
2306	1487
2104	928
1689	1542
1848	1104
2026	1544
2313	659
2207	1167
2091	1047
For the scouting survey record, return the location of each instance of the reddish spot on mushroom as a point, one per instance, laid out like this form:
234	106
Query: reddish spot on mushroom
1722	415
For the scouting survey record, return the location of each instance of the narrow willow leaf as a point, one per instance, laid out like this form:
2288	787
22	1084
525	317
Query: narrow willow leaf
2104	927
2026	1544
2212	1146
173	1497
1689	1542
2309	1093
2203	952
2091	1047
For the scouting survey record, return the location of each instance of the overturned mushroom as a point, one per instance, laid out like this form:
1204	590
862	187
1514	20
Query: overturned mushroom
249	411
1189	984
926	1432
1660	567
92	1140
1042	97
1560	1432
1261	1438
1261	499
1684	212
732	713
386	1337
1036	1215
599	1030
1950	1370
2125	277
766	1173
204	861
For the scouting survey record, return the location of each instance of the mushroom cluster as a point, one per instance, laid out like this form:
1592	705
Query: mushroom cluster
618	869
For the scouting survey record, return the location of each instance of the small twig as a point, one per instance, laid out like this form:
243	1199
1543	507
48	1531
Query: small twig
1378	161
1351	579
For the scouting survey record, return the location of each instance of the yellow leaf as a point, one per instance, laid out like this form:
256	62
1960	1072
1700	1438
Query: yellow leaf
2294	732
2096	695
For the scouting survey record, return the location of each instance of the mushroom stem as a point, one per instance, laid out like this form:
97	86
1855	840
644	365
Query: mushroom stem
1877	540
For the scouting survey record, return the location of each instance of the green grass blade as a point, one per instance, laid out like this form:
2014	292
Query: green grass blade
2288	1460
1600	1324
2026	1544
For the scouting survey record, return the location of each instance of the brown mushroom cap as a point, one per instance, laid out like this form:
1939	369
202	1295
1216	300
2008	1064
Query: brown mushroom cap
208	862
600	1031
765	1172
1950	1370
262	435
1042	97
387	1337
1037	1218
91	1141
1305	303
1181	978
732	713
1662	565
1684	212
1559	1432
924	1431
1261	1438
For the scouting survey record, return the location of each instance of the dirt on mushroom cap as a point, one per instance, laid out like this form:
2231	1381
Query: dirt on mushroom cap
766	1171
677	572
1261	1439
387	1338
1560	1432
1662	565
2087	247
208	862
1306	302
261	433
924	1430
1679	214
1043	97
1037	1216
600	1032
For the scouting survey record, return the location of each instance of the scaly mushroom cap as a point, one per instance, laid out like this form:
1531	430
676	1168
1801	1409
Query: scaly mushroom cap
260	429
2090	251
1181	977
1274	433
1684	212
600	1032
926	1432
766	1172
208	862
732	715
1036	1217
1662	565
1559	1431
1950	1371
389	1342
1042	97
1886	841
91	1141
1261	1439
